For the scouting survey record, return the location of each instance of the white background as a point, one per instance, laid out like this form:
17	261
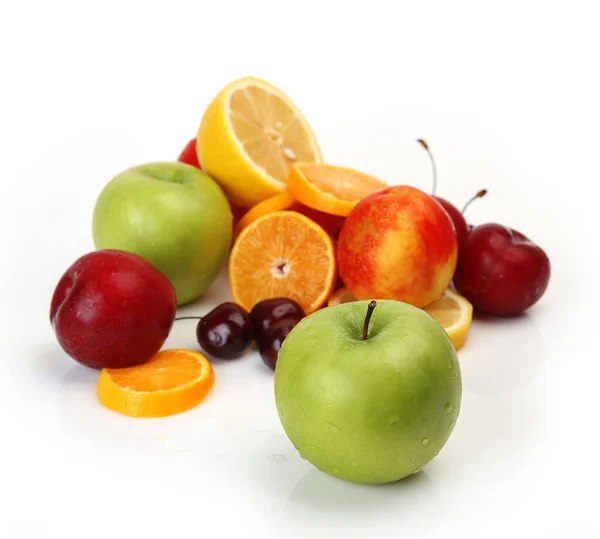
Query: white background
507	95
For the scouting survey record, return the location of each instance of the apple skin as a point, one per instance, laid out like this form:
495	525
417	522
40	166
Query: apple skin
368	411
112	309
500	271
173	215
398	243
189	156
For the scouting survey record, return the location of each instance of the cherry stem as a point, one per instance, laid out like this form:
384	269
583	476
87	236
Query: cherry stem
433	166
189	318
370	310
479	194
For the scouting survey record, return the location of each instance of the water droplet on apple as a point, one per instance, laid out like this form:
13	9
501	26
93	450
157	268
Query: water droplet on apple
413	458
394	419
448	408
355	464
450	425
276	459
425	441
335	470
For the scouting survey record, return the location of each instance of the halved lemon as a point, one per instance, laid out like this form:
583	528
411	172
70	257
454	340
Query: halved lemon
250	135
453	312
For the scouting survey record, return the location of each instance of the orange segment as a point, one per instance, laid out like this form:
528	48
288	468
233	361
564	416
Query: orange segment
282	254
331	189
171	382
279	202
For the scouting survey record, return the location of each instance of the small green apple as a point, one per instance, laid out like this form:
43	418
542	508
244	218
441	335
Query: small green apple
171	214
368	410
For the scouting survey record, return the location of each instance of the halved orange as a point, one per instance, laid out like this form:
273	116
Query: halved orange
331	189
283	254
171	382
452	311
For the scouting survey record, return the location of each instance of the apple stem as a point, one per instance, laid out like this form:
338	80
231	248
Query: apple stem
433	166
189	318
479	194
370	310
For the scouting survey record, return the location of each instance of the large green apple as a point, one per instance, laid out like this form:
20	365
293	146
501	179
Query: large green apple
173	215
368	410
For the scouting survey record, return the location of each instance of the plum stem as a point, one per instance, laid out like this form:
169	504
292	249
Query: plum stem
479	194
189	318
433	165
370	309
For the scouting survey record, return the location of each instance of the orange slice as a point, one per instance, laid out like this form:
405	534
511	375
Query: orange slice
171	382
331	189
282	254
452	311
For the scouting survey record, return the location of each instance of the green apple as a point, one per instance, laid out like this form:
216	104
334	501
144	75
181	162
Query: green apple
368	410
173	215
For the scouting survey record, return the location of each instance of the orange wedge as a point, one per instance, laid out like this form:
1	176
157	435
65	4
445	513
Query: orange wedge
452	311
330	189
171	382
283	254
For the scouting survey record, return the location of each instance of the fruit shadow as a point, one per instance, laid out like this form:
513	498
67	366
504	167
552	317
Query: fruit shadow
502	355
318	497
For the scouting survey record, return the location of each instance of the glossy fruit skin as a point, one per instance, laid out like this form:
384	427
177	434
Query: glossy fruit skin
458	220
268	312
500	271
174	216
270	341
226	332
368	411
398	243
189	155
112	309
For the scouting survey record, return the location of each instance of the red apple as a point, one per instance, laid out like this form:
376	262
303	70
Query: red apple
398	243
189	155
500	271
112	309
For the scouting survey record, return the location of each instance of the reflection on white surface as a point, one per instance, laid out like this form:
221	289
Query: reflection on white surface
502	355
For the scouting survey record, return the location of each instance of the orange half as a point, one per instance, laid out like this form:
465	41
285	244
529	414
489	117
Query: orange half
171	382
283	254
330	189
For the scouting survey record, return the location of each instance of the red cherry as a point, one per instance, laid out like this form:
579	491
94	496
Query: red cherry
189	155
458	219
460	224
500	271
